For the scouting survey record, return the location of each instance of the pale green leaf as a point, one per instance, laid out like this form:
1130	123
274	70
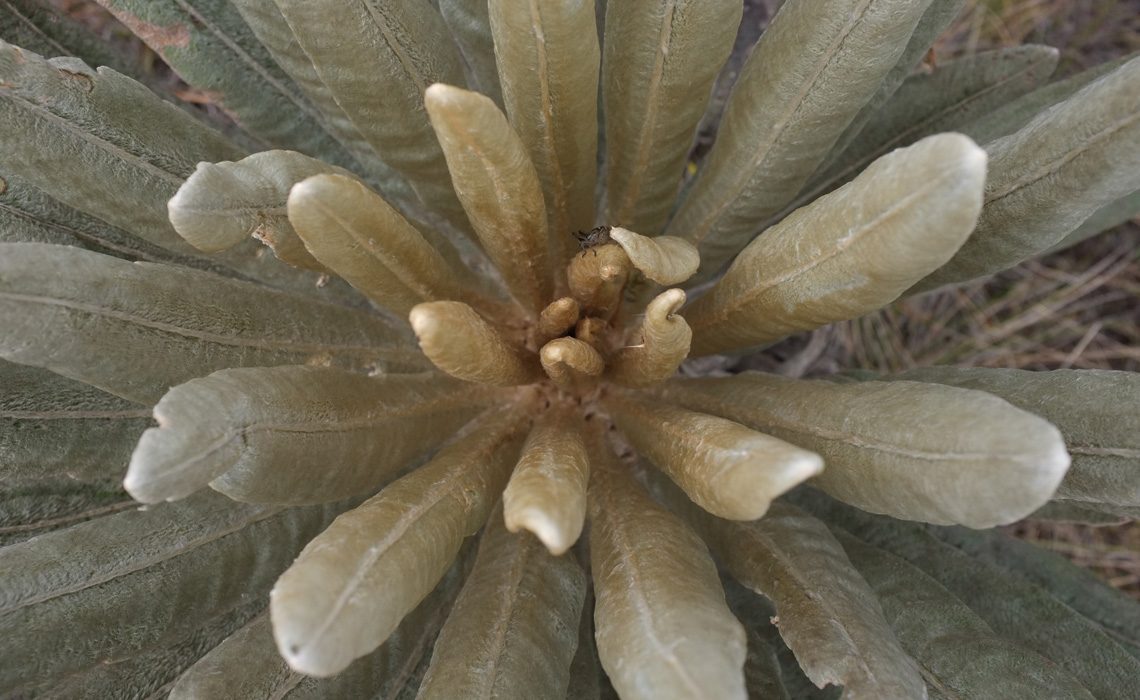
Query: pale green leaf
660	64
1065	511
949	97
662	627
814	68
1052	174
960	655
245	665
294	434
376	59
499	188
1097	412
513	631
351	586
1107	217
828	614
763	673
910	450
587	679
39	27
1017	610
207	43
548	56
119	585
470	24
850	252
136	329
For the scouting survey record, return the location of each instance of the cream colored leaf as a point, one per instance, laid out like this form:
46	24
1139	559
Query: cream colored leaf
571	363
498	186
293	434
458	341
665	259
828	614
814	68
351	586
547	491
514	628
361	238
547	56
850	252
136	329
662	344
662	627
914	451
1097	412
558	317
726	468
597	277
660	64
1052	174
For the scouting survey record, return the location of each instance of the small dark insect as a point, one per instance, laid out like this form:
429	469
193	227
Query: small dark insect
594	237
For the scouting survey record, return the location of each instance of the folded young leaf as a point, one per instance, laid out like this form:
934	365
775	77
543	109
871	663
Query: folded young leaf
1020	611
727	469
470	25
571	363
118	585
548	55
556	319
294	435
351	586
136	329
1097	412
100	142
461	343
960	655
597	277
953	95
661	624
394	50
850	252
814	68
662	343
828	614
661	61
513	631
1052	174
665	259
54	431
208	45
915	451
1112	610
498	186
546	494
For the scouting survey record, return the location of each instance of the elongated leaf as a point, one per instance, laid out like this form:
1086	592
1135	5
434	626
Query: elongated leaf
597	277
572	363
395	50
27	512
850	252
1111	610
1020	611
353	584
828	614
814	68
662	627
136	329
724	467
293	435
953	95
586	676
498	186
547	55
661	61
514	628
763	675
39	27
470	24
1052	174
556	319
1107	217
1097	412
662	343
665	259
935	20
461	343
246	664
1065	511
546	494
914	451
118	585
960	655
359	236
208	45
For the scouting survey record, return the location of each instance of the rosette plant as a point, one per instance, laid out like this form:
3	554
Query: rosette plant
408	424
